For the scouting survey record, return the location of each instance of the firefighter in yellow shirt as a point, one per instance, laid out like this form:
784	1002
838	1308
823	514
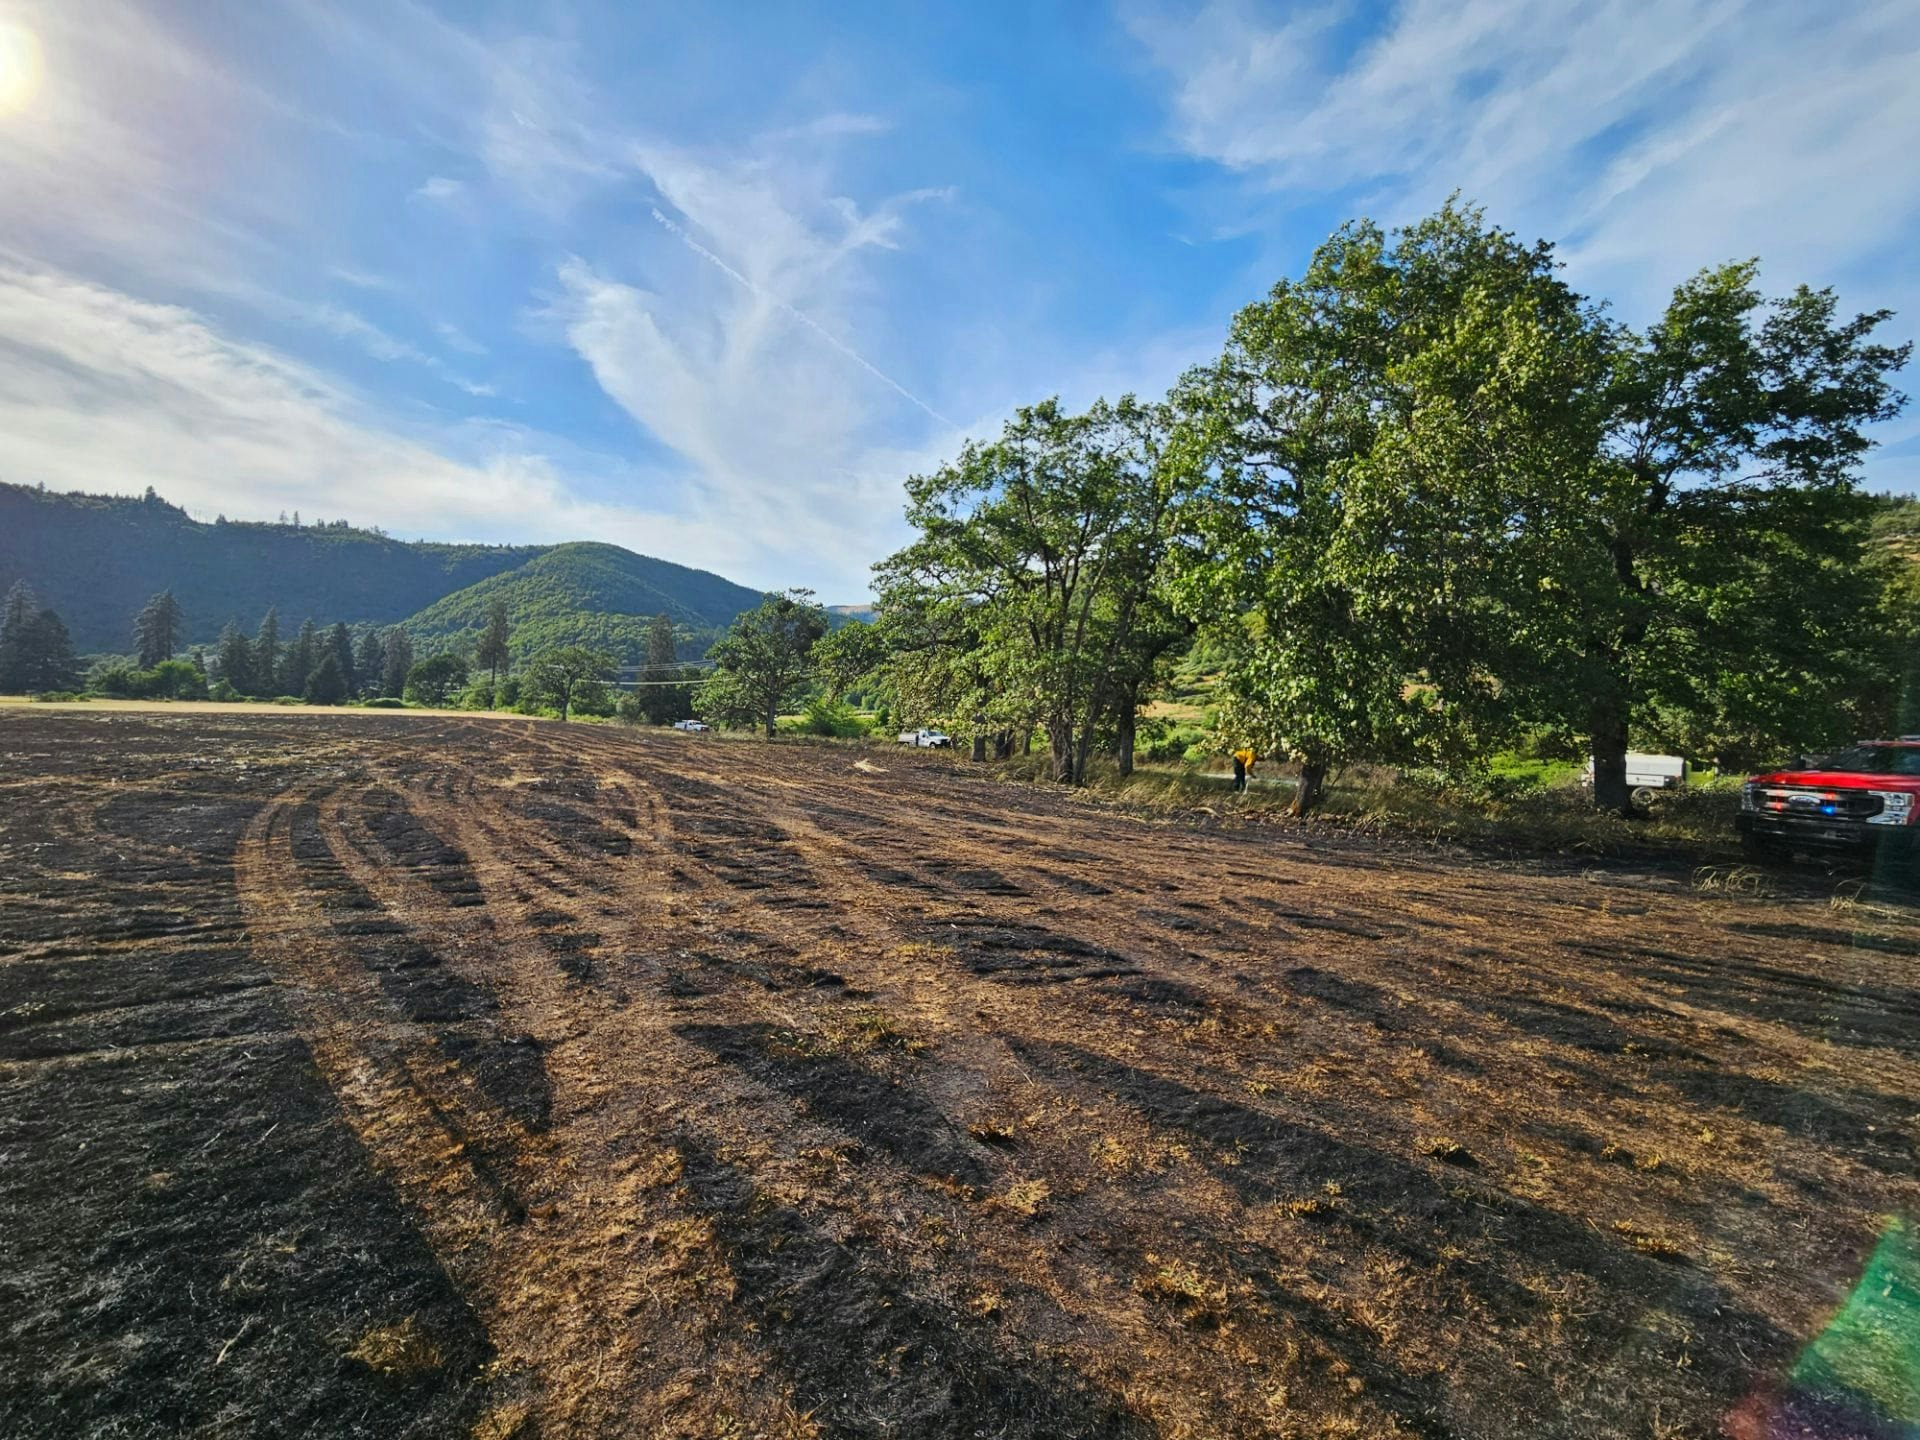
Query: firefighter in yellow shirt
1243	759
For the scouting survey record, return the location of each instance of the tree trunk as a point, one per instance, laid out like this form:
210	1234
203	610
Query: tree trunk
1003	745
1610	791
980	748
771	717
1309	792
1082	752
1123	745
1060	752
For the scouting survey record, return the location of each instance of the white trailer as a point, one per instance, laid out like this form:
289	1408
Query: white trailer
1648	773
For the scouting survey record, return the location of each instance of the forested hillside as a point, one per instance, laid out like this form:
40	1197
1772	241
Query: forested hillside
589	594
96	559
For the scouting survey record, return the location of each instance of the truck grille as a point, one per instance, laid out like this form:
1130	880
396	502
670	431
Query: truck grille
1797	802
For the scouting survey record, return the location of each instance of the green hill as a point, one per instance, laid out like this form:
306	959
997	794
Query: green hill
98	558
588	594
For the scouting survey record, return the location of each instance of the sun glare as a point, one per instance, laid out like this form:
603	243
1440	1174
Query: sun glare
19	66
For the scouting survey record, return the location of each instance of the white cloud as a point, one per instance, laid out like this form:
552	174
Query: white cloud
439	187
458	339
102	391
743	356
1651	139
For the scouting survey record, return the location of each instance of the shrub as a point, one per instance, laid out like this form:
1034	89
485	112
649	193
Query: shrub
629	711
287	700
826	717
223	692
116	678
384	702
1171	742
169	680
57	697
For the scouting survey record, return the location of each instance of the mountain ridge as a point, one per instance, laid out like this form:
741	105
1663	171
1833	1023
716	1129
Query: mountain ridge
96	559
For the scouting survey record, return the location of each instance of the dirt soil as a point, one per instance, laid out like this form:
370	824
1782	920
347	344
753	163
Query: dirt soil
499	1078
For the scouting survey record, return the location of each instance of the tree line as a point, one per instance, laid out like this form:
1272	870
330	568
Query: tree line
338	664
1427	499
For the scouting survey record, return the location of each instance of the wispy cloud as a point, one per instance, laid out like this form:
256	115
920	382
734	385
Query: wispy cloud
440	188
801	317
1651	139
102	390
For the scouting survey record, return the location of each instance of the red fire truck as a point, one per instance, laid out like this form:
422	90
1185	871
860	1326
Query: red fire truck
1863	798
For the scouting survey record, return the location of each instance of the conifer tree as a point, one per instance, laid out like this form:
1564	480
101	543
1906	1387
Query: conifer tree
340	646
493	652
16	626
369	664
266	654
660	647
156	630
326	685
235	658
50	660
398	658
302	655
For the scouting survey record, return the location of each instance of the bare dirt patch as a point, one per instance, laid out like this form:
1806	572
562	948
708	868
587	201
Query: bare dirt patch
510	1079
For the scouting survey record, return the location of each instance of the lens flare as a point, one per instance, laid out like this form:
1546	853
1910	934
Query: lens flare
19	66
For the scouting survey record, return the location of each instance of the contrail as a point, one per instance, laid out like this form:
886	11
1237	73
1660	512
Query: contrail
805	319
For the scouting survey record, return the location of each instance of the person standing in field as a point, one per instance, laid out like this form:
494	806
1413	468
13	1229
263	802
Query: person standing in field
1243	759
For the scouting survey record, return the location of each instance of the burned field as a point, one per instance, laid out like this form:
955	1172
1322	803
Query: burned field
381	1075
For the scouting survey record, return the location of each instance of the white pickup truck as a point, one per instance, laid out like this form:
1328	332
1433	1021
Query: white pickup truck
926	739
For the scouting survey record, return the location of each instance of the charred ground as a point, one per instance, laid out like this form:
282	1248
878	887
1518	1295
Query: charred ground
370	1076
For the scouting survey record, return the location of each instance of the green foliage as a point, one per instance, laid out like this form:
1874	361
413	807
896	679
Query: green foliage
1436	494
384	702
96	559
762	661
174	680
339	644
829	718
302	655
396	660
326	685
233	660
494	652
1359	446
169	680
1032	594
662	648
848	656
158	629
573	676
36	654
265	669
597	596
369	663
432	680
1708	587
1161	741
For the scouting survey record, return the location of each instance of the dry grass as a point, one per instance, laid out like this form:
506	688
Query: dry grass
767	1096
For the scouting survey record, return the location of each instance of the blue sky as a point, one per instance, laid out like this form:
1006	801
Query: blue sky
709	281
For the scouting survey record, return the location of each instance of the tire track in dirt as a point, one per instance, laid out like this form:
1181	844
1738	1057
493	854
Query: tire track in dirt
833	1127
